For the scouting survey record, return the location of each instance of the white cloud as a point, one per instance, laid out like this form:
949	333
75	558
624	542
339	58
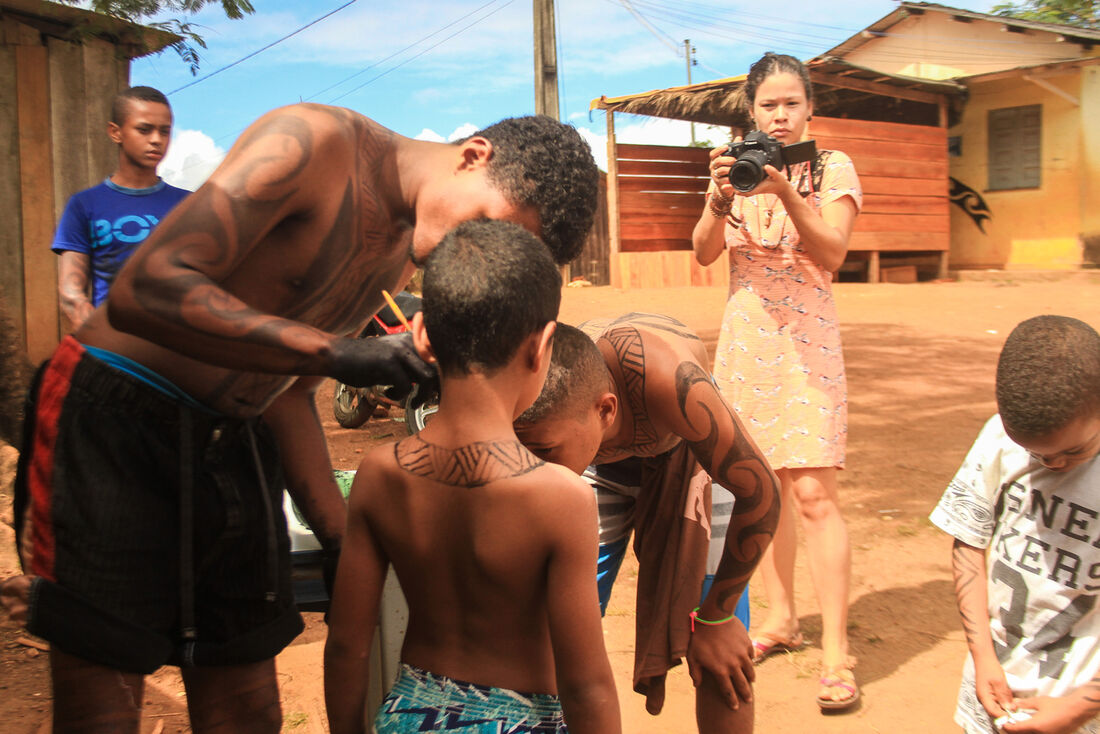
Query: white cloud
463	131
651	131
192	157
430	135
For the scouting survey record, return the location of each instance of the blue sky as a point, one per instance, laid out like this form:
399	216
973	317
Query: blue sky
439	70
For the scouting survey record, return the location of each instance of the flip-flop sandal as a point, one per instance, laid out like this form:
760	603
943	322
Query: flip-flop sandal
768	644
838	677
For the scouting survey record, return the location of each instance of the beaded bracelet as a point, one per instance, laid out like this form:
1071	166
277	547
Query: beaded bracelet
719	210
695	618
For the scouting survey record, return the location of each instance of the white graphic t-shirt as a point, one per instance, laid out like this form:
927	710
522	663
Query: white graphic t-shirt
1041	532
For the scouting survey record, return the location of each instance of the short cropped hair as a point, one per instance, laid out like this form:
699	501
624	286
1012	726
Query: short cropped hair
120	107
1048	375
542	163
487	286
577	376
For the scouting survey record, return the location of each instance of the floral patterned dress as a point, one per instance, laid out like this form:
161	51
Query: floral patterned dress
779	361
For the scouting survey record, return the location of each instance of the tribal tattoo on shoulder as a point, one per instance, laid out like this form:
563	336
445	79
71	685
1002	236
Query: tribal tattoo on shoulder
735	465
626	341
473	465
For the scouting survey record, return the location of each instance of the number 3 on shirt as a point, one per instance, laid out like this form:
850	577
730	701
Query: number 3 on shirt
1052	642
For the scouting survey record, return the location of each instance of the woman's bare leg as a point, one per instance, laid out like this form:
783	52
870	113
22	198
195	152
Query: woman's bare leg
776	569
829	555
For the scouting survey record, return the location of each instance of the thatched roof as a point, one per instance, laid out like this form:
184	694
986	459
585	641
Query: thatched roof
71	24
839	86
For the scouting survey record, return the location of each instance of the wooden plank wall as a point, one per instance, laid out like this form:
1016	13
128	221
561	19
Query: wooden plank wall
903	170
661	192
11	234
55	100
593	264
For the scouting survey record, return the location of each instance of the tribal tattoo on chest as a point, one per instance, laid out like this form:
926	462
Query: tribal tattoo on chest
473	465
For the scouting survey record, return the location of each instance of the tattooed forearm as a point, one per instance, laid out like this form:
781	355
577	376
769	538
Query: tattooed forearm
257	216
735	463
968	564
472	465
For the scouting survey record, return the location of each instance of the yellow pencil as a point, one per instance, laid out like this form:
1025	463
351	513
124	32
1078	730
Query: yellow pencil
396	309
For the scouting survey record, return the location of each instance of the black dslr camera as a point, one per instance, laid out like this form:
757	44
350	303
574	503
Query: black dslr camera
759	149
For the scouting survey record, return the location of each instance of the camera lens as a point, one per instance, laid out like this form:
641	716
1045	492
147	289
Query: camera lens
748	171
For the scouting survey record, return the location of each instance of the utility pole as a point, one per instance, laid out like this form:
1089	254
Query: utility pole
546	60
687	58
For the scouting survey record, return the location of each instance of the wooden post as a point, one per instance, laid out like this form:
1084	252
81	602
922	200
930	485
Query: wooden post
872	267
36	186
546	60
613	204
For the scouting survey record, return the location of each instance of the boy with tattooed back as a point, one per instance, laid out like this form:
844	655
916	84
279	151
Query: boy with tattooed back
632	397
1023	510
168	425
493	547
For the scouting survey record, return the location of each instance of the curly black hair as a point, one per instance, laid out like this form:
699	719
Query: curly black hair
1048	375
540	162
488	285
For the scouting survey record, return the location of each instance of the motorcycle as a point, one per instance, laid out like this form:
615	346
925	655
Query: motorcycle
353	406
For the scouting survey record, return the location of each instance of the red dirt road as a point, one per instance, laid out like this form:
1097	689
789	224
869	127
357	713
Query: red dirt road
920	362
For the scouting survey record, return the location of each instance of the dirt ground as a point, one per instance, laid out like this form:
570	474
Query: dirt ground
920	364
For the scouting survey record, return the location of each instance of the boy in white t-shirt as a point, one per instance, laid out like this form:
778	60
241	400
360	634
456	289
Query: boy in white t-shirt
1024	509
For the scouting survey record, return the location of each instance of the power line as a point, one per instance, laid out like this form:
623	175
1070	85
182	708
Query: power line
261	50
401	51
413	58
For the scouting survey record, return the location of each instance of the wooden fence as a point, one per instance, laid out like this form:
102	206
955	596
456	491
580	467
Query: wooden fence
660	195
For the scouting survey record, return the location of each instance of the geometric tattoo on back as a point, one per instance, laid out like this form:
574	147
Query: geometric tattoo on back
473	465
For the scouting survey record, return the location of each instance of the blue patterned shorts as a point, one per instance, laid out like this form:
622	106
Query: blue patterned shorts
421	701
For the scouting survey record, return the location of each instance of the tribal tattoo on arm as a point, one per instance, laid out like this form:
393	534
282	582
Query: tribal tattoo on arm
971	596
473	465
720	445
172	291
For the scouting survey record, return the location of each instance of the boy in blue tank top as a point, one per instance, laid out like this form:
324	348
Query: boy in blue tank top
102	226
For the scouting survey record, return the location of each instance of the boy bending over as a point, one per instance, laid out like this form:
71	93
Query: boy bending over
1024	511
632	396
493	547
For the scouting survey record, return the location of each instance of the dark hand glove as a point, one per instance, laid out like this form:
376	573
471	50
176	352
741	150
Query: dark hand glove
426	392
385	360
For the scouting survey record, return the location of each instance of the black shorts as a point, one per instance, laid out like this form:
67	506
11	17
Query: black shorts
153	539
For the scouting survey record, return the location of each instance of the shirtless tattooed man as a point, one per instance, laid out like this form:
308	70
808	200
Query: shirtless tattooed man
630	400
168	425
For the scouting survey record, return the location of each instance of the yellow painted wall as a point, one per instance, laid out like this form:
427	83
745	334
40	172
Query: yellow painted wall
1028	228
934	46
1089	195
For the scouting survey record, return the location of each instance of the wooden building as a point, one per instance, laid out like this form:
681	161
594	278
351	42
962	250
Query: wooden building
60	68
894	127
1025	152
974	135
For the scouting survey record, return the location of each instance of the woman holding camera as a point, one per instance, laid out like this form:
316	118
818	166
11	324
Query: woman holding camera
779	361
